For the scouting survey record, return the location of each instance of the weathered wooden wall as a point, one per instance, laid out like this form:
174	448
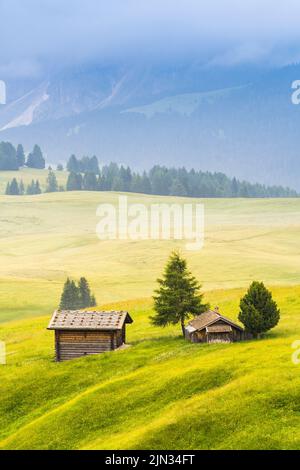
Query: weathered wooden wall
73	344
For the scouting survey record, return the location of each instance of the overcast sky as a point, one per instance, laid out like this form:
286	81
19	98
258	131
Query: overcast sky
38	34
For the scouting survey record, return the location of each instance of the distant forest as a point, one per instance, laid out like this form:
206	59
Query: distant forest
85	174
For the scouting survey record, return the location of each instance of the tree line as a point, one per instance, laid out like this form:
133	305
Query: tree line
85	174
12	159
164	181
17	188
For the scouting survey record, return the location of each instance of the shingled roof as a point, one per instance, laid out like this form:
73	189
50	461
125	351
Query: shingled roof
219	329
91	320
209	318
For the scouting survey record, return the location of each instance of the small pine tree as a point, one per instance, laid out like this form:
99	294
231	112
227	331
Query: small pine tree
21	187
84	293
74	182
52	186
73	165
7	191
90	182
36	159
258	310
33	188
37	188
14	188
70	297
93	301
30	188
178	296
20	155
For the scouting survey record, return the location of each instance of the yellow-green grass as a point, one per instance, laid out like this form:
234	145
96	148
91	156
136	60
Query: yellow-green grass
160	393
44	239
29	174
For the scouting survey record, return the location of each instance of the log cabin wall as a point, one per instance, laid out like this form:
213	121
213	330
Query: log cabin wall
74	344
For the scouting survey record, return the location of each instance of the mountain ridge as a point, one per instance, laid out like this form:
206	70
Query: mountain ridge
239	122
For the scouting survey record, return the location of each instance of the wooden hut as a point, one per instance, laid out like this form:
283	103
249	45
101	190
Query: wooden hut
212	327
79	333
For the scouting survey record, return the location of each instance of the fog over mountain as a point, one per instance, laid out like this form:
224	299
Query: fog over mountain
154	84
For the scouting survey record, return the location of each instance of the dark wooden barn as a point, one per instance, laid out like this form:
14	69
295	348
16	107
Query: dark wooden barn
212	327
79	333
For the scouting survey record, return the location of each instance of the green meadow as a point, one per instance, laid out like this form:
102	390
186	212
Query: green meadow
161	392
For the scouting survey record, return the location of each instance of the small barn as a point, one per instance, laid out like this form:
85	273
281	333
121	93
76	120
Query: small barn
79	333
212	327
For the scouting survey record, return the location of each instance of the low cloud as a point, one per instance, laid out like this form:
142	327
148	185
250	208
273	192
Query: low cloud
38	34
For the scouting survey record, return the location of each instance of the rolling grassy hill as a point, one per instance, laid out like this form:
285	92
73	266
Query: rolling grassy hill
162	392
46	238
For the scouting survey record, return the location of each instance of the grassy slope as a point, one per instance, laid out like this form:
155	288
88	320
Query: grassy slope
162	392
43	239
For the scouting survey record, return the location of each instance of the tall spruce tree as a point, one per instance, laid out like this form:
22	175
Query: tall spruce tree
84	293
258	310
21	188
74	182
73	164
52	186
30	188
178	296
70	299
90	182
33	188
14	189
36	159
20	155
37	188
8	157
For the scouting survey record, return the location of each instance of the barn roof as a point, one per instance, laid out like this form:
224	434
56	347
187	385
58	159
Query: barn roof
209	318
90	320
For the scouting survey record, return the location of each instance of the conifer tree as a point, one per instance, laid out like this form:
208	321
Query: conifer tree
74	182
84	293
70	297
258	310
52	185
20	155
37	188
178	296
30	188
36	159
90	182
93	301
21	187
14	188
73	165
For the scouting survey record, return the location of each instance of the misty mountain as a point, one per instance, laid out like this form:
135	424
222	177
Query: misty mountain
240	121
